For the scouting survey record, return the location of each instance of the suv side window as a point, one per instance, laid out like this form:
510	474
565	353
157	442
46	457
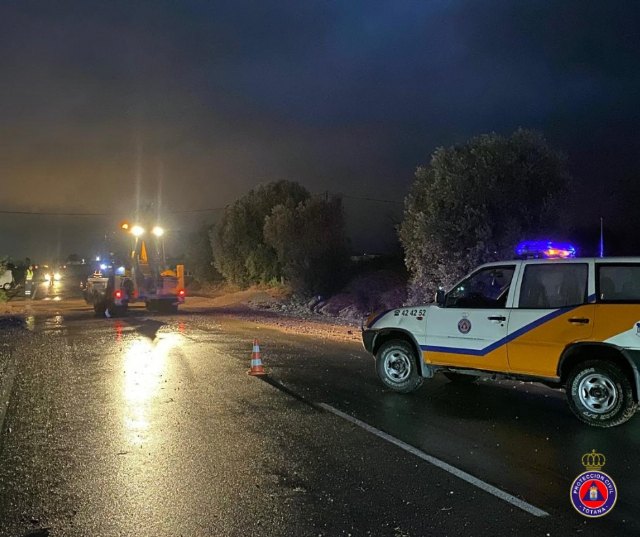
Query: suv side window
554	285
618	283
487	288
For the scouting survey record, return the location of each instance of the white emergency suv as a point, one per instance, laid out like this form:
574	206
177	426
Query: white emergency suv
572	323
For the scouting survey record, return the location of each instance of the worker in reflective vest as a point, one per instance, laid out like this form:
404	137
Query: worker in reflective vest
28	281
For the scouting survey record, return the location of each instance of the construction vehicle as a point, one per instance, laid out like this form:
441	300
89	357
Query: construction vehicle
145	278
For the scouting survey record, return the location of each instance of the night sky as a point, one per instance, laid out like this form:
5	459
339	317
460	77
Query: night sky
193	103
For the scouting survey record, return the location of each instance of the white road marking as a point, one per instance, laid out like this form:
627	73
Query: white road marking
505	496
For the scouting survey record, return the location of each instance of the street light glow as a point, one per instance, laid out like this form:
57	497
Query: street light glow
157	231
137	230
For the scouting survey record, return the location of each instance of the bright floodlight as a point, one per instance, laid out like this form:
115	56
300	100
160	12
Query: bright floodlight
137	230
157	231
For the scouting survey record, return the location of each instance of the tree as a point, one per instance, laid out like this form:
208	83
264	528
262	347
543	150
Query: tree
310	243
199	255
239	249
472	204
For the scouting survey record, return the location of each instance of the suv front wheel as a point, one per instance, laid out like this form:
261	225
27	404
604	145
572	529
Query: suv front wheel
397	366
600	394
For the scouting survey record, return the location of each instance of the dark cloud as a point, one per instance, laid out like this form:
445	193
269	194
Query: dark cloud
210	98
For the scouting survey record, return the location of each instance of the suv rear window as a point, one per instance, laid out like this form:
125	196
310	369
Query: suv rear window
554	285
619	283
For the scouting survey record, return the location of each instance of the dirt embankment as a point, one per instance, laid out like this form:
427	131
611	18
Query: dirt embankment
365	294
268	308
338	316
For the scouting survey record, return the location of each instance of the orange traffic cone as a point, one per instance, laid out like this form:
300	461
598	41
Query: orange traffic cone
256	362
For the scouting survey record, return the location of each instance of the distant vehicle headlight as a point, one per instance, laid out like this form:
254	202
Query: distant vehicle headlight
57	276
47	277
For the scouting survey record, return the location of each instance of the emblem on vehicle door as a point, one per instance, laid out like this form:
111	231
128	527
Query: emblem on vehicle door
464	325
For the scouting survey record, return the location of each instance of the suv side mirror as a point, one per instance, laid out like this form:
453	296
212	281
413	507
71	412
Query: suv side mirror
440	297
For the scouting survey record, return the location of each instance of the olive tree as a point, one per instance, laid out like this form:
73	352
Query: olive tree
473	202
310	242
240	252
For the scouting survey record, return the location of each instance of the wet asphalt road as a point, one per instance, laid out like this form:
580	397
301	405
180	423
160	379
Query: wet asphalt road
149	425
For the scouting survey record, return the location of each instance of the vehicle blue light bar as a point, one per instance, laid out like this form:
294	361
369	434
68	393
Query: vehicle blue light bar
546	249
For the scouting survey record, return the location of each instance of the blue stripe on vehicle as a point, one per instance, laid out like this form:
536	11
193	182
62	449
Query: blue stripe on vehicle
591	298
510	337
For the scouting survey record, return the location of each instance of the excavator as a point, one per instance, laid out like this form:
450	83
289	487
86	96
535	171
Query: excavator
145	278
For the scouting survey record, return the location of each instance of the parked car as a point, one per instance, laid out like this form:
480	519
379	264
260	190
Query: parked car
6	280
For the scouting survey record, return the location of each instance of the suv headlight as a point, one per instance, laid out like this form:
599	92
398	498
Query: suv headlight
366	323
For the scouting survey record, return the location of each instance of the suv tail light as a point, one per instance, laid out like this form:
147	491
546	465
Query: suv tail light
118	294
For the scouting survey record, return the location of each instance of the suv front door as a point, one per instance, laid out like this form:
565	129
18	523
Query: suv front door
471	328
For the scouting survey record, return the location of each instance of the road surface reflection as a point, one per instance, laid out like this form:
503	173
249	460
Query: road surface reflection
145	364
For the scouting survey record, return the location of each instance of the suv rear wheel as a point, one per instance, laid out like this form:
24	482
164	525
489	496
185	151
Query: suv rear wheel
397	366
600	394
